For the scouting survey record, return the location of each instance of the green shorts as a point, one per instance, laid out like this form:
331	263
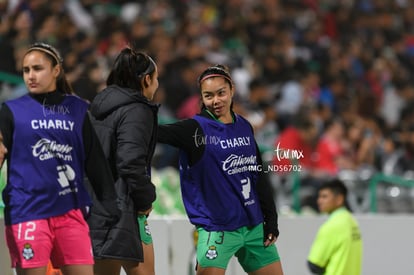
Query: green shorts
215	249
144	230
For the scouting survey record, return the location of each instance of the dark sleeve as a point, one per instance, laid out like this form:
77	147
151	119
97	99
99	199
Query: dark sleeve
315	269
267	203
134	135
97	170
178	134
186	135
6	126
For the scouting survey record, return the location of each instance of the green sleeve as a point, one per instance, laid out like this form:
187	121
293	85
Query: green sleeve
323	246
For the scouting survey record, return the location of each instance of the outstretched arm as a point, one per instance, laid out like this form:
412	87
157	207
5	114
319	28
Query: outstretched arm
185	135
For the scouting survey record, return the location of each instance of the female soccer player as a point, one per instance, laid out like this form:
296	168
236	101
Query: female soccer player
51	143
126	123
225	192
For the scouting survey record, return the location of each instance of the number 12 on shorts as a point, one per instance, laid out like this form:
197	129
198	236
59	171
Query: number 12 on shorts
25	231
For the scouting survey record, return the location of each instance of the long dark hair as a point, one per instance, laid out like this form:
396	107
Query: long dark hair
129	68
51	53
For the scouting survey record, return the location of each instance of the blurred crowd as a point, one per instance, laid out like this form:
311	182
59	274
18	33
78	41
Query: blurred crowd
331	79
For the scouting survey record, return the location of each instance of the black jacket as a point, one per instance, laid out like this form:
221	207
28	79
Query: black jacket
126	124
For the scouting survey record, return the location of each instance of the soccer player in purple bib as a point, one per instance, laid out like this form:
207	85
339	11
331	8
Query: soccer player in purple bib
225	192
51	146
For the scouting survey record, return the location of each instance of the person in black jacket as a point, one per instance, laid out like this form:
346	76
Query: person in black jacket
3	151
226	193
126	123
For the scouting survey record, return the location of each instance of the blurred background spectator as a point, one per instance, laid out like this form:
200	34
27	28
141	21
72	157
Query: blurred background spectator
347	61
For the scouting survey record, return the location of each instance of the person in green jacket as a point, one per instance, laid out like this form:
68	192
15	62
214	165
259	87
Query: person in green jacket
337	248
